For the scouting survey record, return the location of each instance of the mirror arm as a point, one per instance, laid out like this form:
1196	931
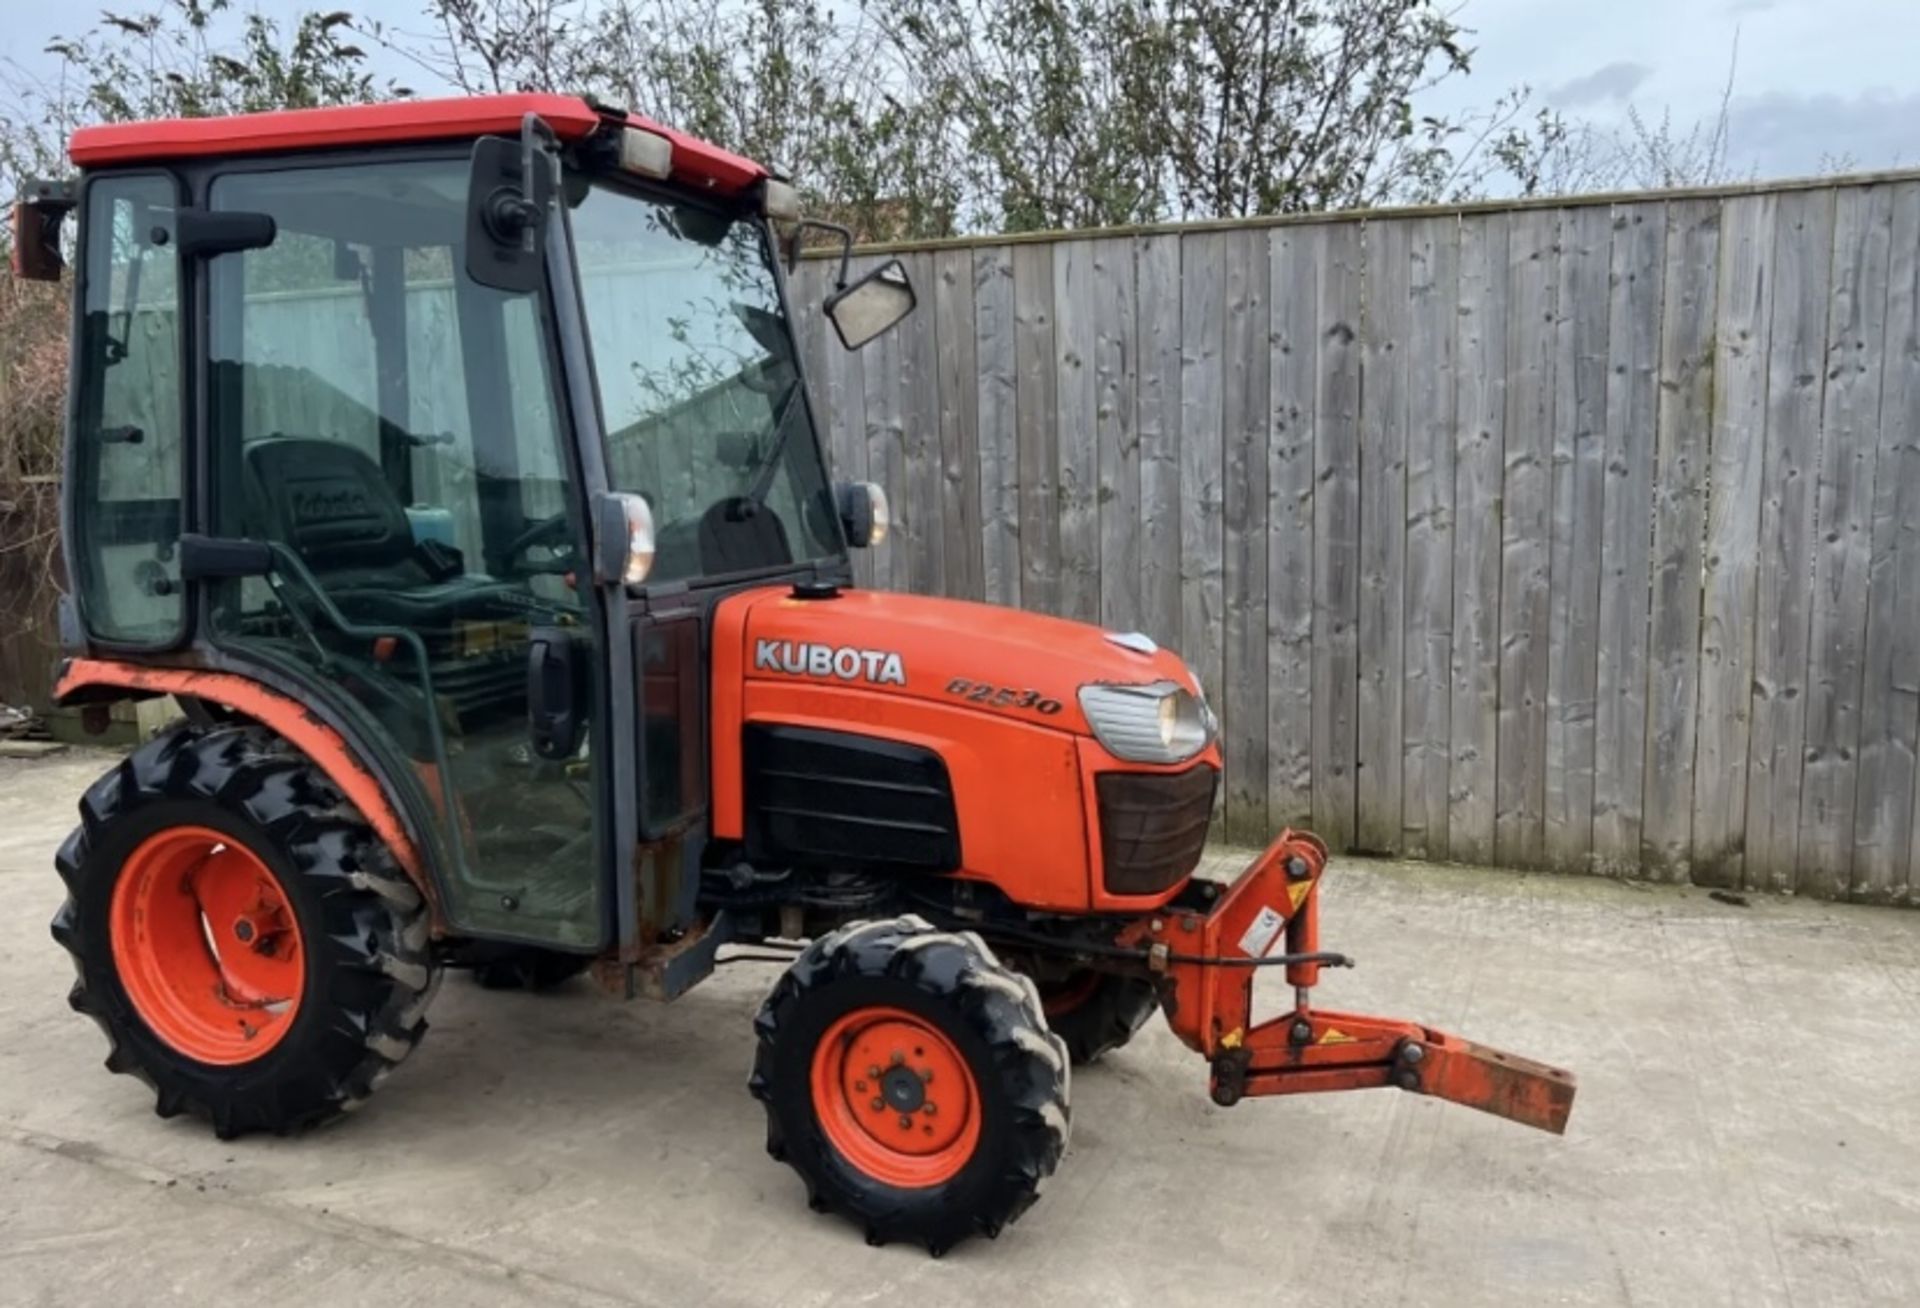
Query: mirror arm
55	197
845	234
534	135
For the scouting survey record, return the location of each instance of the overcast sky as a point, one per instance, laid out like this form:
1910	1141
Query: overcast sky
1816	79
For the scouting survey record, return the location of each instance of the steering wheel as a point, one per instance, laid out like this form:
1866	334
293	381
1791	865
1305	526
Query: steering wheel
554	533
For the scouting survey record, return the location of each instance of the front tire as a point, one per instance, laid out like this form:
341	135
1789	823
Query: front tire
912	1082
240	934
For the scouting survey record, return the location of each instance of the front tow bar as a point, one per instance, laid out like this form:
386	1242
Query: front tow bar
1207	957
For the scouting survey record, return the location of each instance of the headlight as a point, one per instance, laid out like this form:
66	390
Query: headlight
1158	723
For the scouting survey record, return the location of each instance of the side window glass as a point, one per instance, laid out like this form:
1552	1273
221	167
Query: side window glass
294	368
126	438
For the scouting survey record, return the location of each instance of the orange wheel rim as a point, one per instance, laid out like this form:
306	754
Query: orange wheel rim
206	945
895	1098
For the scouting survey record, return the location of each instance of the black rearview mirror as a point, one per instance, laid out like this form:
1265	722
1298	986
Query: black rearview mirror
876	302
36	231
36	245
510	190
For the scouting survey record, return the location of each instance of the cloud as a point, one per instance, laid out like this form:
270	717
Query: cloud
1738	7
1615	81
1784	134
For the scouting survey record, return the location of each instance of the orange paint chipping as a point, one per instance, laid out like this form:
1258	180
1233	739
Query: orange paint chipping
327	748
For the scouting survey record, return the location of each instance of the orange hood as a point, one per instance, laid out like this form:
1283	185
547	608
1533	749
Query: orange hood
1025	665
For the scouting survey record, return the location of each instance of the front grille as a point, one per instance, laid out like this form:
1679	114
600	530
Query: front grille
838	799
1153	826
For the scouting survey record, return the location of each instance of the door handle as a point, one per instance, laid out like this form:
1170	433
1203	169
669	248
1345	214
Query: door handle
556	693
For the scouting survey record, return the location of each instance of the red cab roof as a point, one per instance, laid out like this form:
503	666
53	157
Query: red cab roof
694	161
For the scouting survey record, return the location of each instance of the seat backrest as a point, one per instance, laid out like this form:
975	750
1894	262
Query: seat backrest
737	535
330	503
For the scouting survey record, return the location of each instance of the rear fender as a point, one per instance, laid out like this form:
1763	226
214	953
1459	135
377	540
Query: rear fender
331	751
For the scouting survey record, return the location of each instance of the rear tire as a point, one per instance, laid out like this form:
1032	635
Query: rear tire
980	1115
348	929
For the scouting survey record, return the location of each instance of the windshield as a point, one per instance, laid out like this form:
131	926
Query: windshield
699	386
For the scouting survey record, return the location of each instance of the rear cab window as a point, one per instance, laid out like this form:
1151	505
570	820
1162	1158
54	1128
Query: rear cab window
125	460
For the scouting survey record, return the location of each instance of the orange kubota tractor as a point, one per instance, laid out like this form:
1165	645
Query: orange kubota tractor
452	464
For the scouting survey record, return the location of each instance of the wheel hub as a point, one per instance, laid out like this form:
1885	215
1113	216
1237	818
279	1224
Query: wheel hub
905	1091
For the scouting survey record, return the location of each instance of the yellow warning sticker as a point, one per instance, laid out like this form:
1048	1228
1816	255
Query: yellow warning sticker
1335	1036
1297	892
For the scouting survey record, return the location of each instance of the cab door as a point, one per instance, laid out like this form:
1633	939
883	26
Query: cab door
399	433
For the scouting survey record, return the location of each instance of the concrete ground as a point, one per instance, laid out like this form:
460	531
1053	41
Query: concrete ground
1748	1131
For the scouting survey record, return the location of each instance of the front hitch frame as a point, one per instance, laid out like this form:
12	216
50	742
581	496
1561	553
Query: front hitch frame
1209	957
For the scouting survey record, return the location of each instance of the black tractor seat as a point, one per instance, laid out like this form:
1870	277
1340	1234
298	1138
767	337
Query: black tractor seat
331	504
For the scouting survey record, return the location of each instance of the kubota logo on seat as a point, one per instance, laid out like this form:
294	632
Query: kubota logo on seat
805	659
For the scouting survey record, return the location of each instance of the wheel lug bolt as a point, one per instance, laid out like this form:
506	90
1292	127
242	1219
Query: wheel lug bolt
860	1086
898	1058
926	1076
928	1108
879	1104
906	1123
874	1071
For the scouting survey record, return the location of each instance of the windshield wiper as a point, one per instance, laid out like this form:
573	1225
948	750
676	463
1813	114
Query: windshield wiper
770	465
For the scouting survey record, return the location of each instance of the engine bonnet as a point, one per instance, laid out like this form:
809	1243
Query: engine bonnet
1025	665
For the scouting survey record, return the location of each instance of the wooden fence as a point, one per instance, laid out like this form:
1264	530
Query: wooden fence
1578	536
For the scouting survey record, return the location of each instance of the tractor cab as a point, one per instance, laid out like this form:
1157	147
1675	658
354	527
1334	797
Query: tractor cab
458	440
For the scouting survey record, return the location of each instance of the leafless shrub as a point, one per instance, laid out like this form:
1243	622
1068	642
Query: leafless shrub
33	376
